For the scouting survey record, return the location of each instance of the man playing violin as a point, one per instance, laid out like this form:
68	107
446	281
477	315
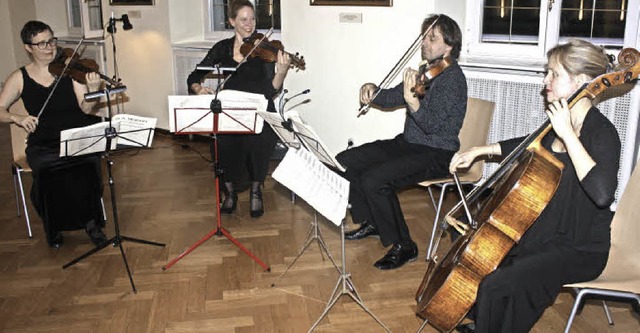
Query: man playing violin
377	170
51	108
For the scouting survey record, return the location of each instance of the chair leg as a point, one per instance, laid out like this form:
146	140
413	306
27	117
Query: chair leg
24	202
576	304
607	313
15	189
104	212
436	220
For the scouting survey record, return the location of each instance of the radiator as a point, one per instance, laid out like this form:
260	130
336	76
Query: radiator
519	110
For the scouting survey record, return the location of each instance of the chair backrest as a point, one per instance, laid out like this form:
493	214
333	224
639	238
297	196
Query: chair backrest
19	137
625	228
474	132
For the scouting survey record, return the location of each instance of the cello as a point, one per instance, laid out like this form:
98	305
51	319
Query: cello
522	187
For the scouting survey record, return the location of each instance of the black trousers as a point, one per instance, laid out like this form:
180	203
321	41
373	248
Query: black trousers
513	297
245	157
377	170
66	192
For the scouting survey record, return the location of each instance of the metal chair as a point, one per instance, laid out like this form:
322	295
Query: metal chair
621	277
19	164
474	132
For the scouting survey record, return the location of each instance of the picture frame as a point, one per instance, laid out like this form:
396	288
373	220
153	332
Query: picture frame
132	2
380	3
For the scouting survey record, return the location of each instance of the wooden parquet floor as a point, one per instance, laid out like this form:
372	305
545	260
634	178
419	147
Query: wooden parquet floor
166	194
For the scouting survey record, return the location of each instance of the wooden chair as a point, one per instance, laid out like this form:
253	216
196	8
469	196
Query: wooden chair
621	277
19	164
474	132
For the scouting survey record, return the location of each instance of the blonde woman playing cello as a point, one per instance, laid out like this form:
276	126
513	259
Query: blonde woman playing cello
570	240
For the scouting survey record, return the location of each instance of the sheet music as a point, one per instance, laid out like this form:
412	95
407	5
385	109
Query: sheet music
131	130
275	120
312	141
326	191
191	114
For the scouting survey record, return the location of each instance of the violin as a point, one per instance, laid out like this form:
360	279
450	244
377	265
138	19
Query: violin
77	67
257	45
427	72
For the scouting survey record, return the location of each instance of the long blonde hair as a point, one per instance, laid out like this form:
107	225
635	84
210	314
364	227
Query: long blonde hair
578	56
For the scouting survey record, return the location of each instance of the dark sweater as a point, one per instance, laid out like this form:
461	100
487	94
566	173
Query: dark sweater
438	120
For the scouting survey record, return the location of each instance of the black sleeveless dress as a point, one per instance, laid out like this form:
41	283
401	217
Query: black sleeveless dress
66	192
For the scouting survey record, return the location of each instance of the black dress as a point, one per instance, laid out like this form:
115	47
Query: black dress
242	157
568	243
66	192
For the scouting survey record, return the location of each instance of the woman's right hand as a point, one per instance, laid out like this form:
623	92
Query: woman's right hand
464	159
366	93
29	123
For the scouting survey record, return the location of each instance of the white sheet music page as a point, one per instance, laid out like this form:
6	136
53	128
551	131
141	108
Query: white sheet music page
192	114
326	191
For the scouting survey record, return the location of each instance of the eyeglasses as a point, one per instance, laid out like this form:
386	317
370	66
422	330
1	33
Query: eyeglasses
43	45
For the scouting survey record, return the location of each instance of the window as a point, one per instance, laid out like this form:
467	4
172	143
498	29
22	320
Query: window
521	31
217	22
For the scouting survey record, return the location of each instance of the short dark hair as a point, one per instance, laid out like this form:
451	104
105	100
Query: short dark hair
236	5
449	29
31	29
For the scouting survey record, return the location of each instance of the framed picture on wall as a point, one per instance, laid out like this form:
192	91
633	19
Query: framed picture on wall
131	2
384	3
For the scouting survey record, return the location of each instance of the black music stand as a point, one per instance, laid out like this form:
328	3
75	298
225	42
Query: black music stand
213	121
313	155
89	143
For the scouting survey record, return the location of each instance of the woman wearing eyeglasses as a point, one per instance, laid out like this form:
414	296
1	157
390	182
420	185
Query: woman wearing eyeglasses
49	112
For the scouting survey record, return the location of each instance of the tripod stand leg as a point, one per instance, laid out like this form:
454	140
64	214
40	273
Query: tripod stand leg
191	248
141	241
245	250
92	251
126	265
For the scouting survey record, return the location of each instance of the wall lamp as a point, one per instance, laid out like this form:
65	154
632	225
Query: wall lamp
126	24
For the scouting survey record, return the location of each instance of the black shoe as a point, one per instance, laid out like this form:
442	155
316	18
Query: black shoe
229	204
397	256
95	233
366	230
57	241
256	207
466	328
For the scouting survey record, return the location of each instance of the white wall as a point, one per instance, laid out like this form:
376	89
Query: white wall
341	57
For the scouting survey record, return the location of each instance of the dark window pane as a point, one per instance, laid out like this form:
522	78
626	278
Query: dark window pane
605	24
511	21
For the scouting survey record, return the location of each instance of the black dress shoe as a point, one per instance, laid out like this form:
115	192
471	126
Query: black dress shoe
466	328
397	256
229	203
366	230
57	241
95	233
256	207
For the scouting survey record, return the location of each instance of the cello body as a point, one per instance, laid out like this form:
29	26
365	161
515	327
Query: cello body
450	288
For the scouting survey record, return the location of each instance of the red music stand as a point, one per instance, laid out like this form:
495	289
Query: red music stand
229	120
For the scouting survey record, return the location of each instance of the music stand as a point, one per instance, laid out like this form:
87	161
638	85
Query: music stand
88	144
316	158
288	136
238	116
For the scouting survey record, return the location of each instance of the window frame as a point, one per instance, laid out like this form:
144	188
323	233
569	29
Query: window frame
532	56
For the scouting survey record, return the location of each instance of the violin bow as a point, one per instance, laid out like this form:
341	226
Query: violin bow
398	67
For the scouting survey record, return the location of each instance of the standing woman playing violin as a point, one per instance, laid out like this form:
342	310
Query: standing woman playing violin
244	157
570	240
65	109
377	170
